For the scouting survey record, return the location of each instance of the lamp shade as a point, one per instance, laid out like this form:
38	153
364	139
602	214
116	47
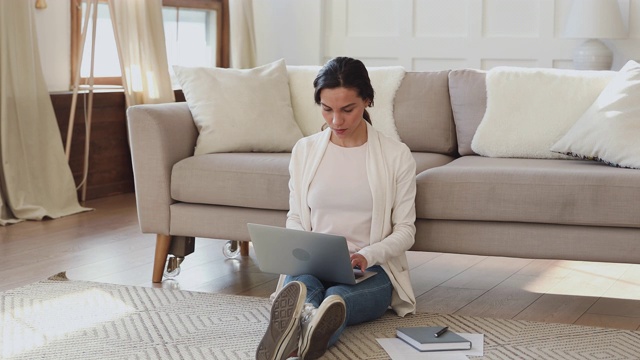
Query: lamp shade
595	19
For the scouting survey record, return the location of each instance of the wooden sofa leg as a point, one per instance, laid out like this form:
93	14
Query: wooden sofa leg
244	248
163	243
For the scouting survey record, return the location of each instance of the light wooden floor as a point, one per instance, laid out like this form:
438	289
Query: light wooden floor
106	245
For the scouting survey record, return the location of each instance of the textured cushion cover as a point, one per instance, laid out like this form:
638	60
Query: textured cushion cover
529	110
306	112
385	81
423	113
252	180
468	91
570	192
609	131
428	160
240	110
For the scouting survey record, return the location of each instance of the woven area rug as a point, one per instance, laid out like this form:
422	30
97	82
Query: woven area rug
63	319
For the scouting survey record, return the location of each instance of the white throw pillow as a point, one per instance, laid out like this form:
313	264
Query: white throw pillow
240	110
305	110
385	82
529	109
609	131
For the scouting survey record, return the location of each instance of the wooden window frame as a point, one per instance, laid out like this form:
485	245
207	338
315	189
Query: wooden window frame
220	6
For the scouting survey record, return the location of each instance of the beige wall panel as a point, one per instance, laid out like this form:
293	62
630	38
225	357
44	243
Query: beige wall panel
634	19
380	61
441	18
511	18
488	64
561	13
439	64
563	64
372	18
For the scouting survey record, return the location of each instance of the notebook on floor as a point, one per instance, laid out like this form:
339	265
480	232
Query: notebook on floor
294	252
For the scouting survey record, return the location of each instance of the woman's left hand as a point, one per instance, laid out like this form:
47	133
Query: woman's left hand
359	261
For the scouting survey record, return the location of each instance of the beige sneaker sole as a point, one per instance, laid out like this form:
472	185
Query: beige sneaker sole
283	332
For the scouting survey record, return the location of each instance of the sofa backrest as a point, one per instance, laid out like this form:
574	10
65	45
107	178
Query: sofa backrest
434	111
422	113
468	92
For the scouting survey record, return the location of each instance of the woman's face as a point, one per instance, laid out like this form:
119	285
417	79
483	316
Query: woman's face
342	110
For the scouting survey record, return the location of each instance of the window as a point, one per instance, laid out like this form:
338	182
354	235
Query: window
196	34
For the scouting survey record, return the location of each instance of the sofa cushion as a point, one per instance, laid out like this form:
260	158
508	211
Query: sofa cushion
422	112
305	110
468	92
253	180
570	192
609	131
240	110
529	109
425	160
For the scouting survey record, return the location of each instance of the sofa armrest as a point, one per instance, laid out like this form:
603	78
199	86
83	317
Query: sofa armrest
160	135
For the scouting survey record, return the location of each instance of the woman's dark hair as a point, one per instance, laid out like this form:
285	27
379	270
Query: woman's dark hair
347	73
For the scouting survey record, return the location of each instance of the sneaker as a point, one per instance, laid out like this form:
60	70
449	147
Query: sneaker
283	332
319	325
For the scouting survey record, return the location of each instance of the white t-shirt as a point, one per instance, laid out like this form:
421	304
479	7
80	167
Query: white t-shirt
340	196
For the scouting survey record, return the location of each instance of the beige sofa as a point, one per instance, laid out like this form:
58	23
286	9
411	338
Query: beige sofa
534	208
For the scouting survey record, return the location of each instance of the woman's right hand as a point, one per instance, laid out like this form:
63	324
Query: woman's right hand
359	261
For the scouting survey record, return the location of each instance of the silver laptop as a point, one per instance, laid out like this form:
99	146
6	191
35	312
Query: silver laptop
294	252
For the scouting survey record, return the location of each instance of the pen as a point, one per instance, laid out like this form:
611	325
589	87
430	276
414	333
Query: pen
441	331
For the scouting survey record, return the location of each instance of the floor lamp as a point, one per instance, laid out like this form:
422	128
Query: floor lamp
92	11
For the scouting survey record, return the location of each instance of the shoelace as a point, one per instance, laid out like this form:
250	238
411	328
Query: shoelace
308	311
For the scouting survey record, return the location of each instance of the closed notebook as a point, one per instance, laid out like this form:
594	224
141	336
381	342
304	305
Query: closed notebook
423	338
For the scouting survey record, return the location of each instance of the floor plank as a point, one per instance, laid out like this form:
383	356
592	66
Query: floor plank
440	269
446	300
557	308
487	273
508	298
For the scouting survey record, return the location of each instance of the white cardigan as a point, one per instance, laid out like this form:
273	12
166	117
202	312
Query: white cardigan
392	176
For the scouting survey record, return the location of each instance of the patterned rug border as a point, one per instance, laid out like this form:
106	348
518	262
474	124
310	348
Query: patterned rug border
172	323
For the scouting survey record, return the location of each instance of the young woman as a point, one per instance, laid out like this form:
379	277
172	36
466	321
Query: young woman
351	180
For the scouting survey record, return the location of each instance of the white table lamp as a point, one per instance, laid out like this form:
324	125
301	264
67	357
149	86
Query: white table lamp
594	20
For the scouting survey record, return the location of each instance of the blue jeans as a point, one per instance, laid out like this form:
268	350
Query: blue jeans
365	301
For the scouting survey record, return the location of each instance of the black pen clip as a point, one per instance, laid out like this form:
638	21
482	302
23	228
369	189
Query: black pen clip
441	331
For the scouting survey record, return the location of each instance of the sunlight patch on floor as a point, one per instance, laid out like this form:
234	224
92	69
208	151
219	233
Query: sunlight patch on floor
23	328
591	279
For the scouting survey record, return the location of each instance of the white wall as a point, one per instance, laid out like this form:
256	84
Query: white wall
416	34
446	34
54	41
289	29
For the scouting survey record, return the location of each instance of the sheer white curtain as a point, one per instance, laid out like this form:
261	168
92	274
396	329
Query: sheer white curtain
242	34
139	33
35	179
